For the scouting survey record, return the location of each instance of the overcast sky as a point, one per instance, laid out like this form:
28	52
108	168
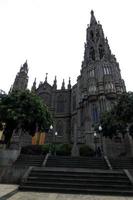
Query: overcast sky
50	34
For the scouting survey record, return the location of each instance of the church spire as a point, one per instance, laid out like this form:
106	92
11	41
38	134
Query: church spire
93	19
63	85
69	84
21	80
33	89
46	77
55	83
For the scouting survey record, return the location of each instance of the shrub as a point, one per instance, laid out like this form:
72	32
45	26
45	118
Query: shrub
63	149
35	149
86	151
45	148
31	149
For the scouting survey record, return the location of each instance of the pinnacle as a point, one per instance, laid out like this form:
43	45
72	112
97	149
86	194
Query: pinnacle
93	19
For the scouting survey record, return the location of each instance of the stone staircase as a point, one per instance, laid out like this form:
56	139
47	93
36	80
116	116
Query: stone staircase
121	163
82	181
29	160
76	162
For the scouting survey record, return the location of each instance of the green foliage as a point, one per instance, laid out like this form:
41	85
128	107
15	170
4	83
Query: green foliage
86	151
63	149
45	148
23	110
119	117
32	150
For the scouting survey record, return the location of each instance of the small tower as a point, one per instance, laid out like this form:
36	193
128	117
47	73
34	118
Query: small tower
21	80
63	85
55	83
33	89
46	77
69	84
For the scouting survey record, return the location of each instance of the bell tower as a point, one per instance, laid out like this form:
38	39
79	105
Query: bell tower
100	82
21	80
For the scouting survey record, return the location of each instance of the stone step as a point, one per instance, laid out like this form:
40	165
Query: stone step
29	160
78	185
122	163
75	176
80	162
79	174
79	180
78	190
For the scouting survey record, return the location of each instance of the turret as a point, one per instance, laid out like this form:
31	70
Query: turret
33	89
55	83
63	85
69	84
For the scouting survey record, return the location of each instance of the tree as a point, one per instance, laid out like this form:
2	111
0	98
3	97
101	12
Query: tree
23	110
120	117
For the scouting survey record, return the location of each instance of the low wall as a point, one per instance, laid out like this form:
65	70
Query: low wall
7	157
12	175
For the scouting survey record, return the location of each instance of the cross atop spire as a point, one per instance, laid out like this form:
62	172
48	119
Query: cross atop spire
93	19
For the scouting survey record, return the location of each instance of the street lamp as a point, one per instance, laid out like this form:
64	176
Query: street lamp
55	143
51	127
100	128
101	137
51	132
95	142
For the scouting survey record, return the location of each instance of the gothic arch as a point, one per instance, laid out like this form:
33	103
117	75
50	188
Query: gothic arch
60	103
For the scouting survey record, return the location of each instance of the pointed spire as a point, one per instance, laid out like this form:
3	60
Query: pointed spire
63	85
107	49
41	83
55	83
24	67
93	19
46	77
69	84
33	89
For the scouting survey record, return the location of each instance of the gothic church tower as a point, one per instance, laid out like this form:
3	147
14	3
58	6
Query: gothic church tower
98	85
21	79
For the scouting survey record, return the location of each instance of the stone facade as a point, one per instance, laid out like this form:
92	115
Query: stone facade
77	108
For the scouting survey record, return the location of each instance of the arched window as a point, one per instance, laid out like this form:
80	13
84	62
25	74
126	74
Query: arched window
94	113
97	34
92	36
107	70
102	105
91	73
92	53
59	128
60	104
101	51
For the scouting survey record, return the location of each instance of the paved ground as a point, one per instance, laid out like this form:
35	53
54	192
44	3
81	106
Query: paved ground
7	189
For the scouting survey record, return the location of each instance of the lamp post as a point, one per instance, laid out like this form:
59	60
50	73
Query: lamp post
50	145
101	138
95	142
55	143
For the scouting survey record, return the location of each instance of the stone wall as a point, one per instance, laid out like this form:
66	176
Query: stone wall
7	157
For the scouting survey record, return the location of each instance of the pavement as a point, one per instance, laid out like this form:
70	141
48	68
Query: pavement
10	192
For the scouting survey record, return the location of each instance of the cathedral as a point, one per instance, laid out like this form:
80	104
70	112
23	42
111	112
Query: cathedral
76	109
